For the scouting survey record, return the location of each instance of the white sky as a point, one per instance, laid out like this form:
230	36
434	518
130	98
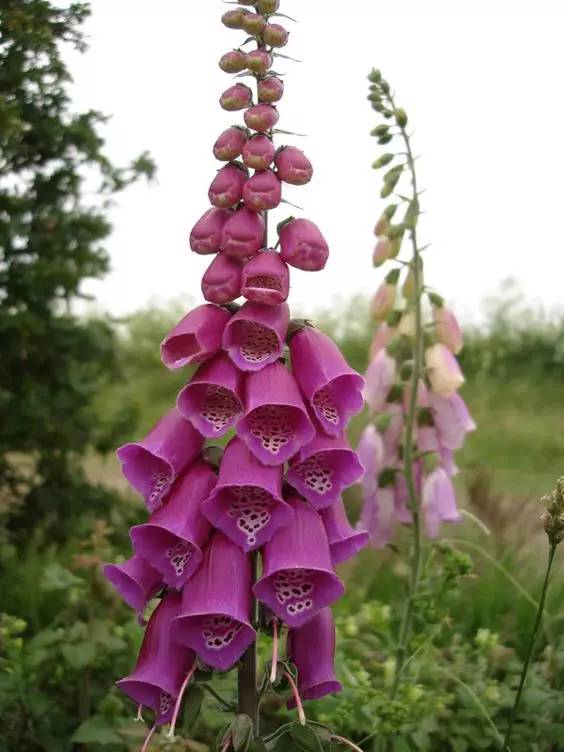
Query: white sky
481	81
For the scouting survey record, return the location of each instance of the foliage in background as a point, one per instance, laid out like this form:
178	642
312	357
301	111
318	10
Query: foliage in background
51	240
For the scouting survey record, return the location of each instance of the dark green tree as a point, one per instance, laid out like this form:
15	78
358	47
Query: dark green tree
51	240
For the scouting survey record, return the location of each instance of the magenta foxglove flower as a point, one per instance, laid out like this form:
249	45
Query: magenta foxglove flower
243	233
236	97
311	649
226	188
233	61
262	191
438	501
270	90
256	334
135	580
151	465
214	618
443	370
302	245
230	143
380	376
162	664
323	469
212	400
265	279
297	580
276	423
221	282
275	35
327	382
173	537
261	117
206	234
378	516
344	541
293	166
447	329
246	503
258	152
452	420
258	61
196	337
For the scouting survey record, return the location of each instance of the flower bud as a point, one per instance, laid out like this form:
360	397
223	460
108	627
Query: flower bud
253	24
303	246
233	19
275	35
206	233
268	6
262	191
293	166
258	152
447	329
443	370
382	251
233	61
408	287
401	117
230	143
242	234
407	325
382	226
236	97
382	338
261	117
258	61
221	282
270	89
226	188
383	301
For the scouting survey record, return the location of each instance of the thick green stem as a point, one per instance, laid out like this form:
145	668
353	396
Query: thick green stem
411	421
532	640
247	692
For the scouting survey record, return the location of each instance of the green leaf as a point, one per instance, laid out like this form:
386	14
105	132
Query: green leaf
192	704
305	737
243	732
96	730
55	577
79	656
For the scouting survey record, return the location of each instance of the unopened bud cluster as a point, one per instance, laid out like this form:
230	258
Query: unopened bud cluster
406	310
275	491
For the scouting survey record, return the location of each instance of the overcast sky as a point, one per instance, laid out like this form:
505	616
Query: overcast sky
481	81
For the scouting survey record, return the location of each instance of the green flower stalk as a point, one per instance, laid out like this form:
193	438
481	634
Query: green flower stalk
553	521
418	418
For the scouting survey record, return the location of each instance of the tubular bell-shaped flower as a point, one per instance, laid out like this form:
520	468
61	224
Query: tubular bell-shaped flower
256	334
230	143
258	152
323	468
151	465
265	279
162	664
213	400
438	501
242	234
206	233
344	541
226	188
246	504
328	383
173	537
311	649
214	618
276	423
298	580
135	580
196	337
